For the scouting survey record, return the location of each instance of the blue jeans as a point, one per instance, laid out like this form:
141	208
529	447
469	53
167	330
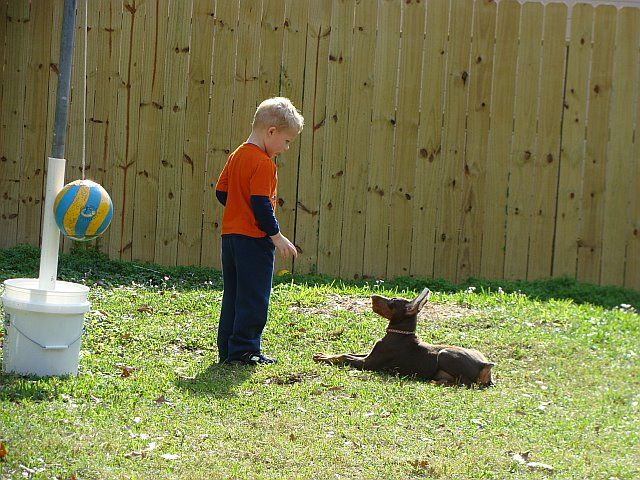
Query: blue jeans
247	272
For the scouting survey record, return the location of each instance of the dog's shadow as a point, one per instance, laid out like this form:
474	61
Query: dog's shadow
216	380
390	376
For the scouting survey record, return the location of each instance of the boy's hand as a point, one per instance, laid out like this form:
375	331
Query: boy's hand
284	246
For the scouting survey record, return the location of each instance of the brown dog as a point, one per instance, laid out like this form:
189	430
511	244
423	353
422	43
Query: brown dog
401	351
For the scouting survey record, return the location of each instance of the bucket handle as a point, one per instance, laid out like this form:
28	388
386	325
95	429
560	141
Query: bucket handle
46	347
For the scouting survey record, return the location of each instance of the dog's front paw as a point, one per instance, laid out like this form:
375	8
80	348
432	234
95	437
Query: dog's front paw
321	358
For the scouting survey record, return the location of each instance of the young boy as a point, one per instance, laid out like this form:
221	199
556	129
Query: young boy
250	233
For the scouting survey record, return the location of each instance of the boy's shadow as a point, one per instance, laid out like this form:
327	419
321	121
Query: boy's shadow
217	380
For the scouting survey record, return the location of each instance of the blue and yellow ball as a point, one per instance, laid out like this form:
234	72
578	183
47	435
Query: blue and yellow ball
82	210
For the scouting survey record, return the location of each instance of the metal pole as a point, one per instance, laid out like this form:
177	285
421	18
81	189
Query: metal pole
64	78
55	169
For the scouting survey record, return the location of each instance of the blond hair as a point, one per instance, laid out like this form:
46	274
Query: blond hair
280	113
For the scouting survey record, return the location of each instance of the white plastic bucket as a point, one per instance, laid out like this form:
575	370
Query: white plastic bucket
42	328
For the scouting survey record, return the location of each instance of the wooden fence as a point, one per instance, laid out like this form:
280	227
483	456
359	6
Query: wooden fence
443	138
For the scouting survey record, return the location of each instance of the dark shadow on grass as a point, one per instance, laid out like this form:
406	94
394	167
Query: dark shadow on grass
16	388
217	380
90	267
390	376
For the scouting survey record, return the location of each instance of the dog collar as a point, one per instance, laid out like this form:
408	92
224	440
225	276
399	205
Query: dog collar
403	332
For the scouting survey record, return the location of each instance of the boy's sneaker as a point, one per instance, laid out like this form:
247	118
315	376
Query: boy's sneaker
256	359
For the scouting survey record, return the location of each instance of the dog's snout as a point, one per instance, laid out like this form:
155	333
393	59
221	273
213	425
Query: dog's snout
380	305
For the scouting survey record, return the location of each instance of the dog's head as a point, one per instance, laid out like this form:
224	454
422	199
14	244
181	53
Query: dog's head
399	310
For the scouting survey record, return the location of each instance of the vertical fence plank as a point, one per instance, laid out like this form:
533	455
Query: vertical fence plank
573	134
382	129
271	36
223	74
592	198
3	38
632	266
269	85
502	104
150	130
126	128
545	166
196	131
335	142
292	87
35	125
429	162
173	115
111	25
355	177
245	91
11	118
523	147
619	162
475	162
452	179
406	138
312	140
92	67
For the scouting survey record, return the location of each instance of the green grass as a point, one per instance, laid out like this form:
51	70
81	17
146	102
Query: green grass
567	373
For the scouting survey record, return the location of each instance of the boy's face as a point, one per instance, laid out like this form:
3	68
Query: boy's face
277	141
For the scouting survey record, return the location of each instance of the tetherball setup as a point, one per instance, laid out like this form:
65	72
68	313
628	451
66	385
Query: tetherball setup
44	316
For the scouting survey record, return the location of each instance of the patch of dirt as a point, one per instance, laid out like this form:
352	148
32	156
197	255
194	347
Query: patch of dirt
291	379
334	303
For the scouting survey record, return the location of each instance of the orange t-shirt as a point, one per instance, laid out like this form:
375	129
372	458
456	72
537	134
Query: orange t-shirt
248	171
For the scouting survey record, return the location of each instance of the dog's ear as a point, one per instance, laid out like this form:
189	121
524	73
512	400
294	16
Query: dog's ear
417	303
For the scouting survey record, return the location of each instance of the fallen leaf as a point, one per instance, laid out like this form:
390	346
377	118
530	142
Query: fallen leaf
521	458
170	456
539	466
335	388
418	464
126	371
145	308
518	458
3	451
161	399
151	446
478	422
133	454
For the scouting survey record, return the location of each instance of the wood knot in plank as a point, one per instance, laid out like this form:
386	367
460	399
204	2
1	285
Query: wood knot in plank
304	208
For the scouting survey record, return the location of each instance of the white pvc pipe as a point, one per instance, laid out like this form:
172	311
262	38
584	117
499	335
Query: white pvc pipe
50	231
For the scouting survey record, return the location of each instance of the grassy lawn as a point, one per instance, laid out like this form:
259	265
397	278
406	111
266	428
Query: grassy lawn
150	402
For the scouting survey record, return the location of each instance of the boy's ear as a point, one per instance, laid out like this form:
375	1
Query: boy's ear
271	130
